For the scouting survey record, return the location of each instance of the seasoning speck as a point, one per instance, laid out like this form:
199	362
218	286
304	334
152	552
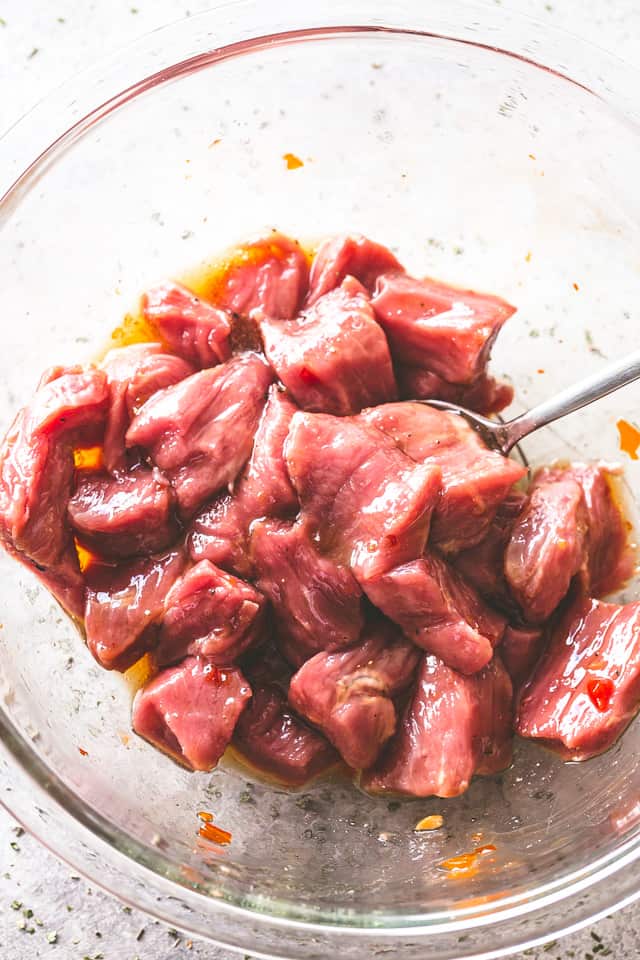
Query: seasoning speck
575	286
528	257
629	438
292	161
432	822
52	936
33	53
82	752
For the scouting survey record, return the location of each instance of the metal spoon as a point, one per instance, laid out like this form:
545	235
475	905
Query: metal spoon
504	436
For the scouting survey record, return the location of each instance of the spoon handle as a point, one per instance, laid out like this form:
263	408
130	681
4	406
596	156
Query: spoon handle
613	377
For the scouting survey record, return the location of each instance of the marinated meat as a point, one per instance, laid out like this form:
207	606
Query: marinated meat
439	612
220	532
123	516
453	727
317	603
190	711
125	605
547	547
276	741
586	689
348	256
334	357
36	477
367	504
134	373
189	326
349	694
520	650
268	275
440	328
212	614
200	431
485	394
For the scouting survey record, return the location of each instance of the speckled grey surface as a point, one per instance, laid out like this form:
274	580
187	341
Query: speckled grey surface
44	909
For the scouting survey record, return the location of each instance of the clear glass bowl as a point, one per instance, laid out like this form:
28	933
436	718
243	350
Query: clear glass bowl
487	151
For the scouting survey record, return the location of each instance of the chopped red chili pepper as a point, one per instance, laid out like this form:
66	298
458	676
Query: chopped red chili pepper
600	691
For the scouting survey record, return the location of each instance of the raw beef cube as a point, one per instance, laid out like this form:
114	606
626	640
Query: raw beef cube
610	559
586	689
68	399
474	480
36	477
219	533
272	738
453	727
123	516
483	565
334	357
317	603
349	694
348	256
191	327
485	394
443	329
268	275
190	711
439	612
212	614
520	650
200	431
134	373
125	605
367	503
547	547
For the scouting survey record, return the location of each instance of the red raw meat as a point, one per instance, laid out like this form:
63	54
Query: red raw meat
333	358
439	612
349	694
453	727
348	256
212	614
586	689
200	431
440	328
190	327
190	711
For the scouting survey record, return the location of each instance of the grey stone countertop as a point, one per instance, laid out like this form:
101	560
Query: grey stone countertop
45	910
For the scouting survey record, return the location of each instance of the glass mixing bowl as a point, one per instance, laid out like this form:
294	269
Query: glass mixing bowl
485	150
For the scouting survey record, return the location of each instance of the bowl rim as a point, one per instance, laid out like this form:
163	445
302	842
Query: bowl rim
228	30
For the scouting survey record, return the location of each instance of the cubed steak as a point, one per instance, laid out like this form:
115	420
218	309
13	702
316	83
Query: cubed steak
125	605
211	614
268	275
348	256
453	727
547	546
135	373
36	477
485	394
520	650
190	327
200	431
349	694
317	603
124	516
610	558
483	565
190	711
366	502
439	612
475	480
444	329
586	689
334	357
271	737
220	532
